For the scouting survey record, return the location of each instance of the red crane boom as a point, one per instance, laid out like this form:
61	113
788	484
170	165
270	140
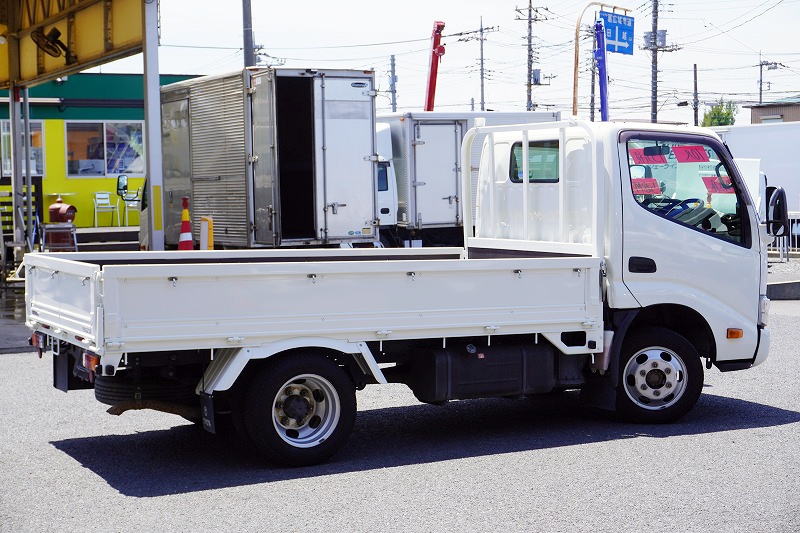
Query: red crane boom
437	51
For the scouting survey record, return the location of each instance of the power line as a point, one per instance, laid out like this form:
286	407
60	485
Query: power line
776	4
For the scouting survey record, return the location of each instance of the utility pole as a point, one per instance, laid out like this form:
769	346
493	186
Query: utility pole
531	19
771	65
593	67
482	72
654	67
247	27
695	102
656	41
393	83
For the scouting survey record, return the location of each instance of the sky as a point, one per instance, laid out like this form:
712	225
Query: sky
723	37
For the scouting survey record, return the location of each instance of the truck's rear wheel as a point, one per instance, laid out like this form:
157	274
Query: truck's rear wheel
299	410
661	376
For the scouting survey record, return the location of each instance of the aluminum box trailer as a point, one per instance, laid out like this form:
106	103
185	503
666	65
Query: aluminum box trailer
603	271
425	156
276	156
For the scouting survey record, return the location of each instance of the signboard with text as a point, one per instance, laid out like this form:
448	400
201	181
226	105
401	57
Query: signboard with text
619	32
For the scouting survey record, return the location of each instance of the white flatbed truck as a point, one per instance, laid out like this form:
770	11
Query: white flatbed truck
630	253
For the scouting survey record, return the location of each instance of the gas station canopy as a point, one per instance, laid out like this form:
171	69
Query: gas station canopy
45	39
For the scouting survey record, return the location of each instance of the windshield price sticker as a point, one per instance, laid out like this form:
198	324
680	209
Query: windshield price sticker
690	154
714	185
645	186
640	159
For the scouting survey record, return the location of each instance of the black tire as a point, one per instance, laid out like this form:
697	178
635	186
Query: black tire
661	376
274	399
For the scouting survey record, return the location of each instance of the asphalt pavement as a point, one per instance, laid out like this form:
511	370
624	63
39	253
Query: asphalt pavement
520	465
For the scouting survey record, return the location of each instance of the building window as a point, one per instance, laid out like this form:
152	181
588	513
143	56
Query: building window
37	149
105	148
771	119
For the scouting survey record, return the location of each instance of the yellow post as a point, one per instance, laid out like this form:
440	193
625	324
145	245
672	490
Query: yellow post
206	233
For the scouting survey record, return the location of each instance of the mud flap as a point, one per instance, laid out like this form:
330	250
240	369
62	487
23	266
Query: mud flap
207	412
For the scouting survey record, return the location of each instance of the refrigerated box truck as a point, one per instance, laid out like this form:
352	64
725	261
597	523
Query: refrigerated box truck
425	150
276	156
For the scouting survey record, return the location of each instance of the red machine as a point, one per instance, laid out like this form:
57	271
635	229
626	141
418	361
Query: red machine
437	51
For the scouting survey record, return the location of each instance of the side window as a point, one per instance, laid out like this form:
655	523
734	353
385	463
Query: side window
542	162
383	176
687	183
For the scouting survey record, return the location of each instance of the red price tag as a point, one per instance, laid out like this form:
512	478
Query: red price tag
713	185
690	154
640	159
645	186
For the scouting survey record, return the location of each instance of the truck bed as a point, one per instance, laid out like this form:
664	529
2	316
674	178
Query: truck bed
118	302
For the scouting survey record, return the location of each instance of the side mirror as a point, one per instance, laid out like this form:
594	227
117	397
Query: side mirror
777	212
122	185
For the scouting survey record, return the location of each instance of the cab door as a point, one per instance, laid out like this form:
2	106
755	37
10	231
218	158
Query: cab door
690	235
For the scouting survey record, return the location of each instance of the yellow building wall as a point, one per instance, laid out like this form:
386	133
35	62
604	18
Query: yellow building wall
82	190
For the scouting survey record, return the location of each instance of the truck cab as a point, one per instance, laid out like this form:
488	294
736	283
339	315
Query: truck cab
667	209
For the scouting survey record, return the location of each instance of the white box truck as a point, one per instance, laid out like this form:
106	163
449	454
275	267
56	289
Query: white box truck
276	156
607	257
425	151
774	144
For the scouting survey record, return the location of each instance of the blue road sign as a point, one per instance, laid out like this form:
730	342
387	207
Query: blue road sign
619	32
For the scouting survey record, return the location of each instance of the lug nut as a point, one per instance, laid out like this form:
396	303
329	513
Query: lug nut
284	420
668	371
642	373
643	387
656	393
654	364
303	392
287	391
668	385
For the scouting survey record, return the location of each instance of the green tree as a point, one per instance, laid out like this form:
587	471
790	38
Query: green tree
721	114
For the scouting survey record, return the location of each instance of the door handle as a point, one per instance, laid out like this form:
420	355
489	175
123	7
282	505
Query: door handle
384	210
641	265
335	207
450	199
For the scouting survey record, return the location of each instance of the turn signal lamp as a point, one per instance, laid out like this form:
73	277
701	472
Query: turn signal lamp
735	333
90	361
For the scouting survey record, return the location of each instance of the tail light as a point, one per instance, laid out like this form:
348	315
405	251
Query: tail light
90	362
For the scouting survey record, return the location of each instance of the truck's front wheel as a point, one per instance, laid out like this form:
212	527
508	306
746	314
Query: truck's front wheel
299	410
661	376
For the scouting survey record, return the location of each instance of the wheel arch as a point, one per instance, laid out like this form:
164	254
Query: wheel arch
682	320
231	364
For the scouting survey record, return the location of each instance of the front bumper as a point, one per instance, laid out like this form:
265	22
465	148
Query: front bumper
763	347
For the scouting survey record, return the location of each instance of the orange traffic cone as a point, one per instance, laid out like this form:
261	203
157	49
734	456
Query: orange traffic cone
185	241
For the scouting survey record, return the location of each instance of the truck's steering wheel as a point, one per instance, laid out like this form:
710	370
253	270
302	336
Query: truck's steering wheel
681	207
